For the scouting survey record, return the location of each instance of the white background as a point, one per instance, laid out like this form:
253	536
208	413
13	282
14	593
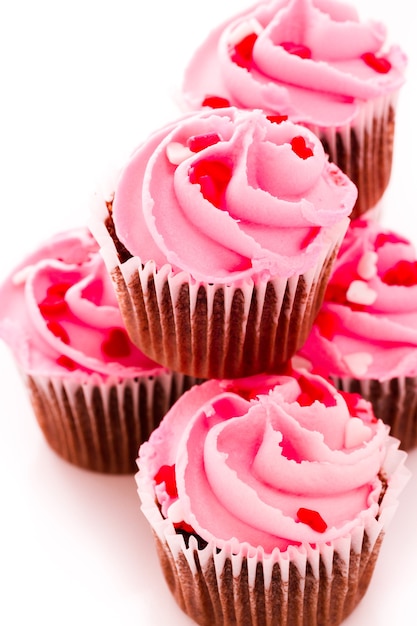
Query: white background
82	83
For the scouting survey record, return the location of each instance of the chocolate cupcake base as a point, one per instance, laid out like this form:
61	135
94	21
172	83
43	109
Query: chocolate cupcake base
364	150
100	426
305	585
394	401
220	331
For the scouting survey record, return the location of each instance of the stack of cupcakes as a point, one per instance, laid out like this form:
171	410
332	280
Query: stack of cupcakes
176	327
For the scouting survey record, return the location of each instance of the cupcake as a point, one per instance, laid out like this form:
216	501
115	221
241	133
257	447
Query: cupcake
220	237
317	63
269	498
365	336
96	397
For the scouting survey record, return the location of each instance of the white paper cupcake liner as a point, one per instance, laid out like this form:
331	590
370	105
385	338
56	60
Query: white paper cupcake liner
315	585
99	425
364	149
394	401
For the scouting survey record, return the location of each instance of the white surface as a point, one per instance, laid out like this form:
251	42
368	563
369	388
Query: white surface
82	83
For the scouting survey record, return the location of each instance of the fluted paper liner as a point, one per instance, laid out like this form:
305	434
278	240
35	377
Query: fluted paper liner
99	425
215	330
394	401
363	149
242	586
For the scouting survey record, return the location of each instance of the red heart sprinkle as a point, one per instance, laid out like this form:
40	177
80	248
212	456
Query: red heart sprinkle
403	274
298	144
199	142
59	331
66	362
277	119
312	519
116	345
242	51
166	474
215	102
379	64
53	305
299	49
213	178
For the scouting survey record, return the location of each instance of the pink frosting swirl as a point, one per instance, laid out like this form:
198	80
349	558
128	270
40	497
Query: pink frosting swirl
367	326
59	315
313	60
267	461
230	195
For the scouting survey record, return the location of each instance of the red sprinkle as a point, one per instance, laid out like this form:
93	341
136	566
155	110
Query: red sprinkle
388	237
277	119
215	102
311	235
116	345
357	407
299	49
403	274
66	362
312	519
298	144
53	305
312	391
327	323
166	474
199	142
242	52
379	64
59	331
213	178
184	526
58	289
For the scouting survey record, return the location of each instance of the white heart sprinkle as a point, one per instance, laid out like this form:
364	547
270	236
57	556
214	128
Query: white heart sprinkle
367	266
177	153
356	432
243	30
358	363
175	512
360	293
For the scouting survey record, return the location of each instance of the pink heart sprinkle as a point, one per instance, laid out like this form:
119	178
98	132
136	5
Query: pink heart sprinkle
356	433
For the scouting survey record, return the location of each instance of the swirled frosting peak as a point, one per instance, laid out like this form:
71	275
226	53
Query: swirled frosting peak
59	314
268	461
313	60
231	194
367	325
